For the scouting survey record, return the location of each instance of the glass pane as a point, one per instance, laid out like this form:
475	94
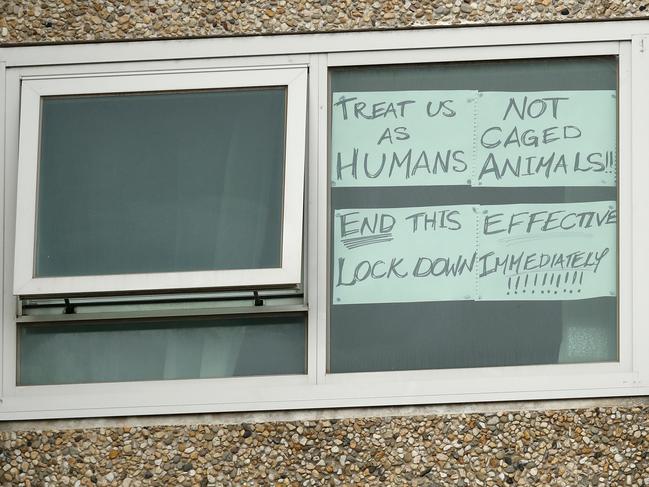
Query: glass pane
473	214
74	353
161	182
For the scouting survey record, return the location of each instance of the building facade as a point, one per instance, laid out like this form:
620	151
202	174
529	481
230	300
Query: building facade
295	243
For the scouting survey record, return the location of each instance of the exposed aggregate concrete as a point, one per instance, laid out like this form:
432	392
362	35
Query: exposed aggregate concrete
603	446
70	20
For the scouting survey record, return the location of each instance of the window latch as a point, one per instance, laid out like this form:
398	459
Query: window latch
69	307
258	300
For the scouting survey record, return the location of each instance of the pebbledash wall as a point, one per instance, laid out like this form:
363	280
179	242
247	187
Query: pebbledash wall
602	442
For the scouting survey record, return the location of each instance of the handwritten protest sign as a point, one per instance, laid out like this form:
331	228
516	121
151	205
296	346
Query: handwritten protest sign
399	138
562	251
403	254
464	137
551	138
547	251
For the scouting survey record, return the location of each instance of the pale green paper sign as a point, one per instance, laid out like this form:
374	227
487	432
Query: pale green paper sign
402	138
546	138
562	251
397	255
429	138
547	251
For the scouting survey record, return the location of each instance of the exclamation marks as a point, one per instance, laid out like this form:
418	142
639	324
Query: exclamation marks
609	162
517	284
564	282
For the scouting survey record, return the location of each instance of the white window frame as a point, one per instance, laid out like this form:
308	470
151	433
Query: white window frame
35	88
319	389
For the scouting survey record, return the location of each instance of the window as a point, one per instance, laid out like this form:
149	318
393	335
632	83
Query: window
138	350
160	181
357	219
474	214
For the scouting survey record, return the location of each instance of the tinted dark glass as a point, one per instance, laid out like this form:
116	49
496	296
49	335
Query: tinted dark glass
162	182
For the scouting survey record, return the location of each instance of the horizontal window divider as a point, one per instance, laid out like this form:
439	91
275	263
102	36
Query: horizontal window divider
479	53
164	314
33	303
165	71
